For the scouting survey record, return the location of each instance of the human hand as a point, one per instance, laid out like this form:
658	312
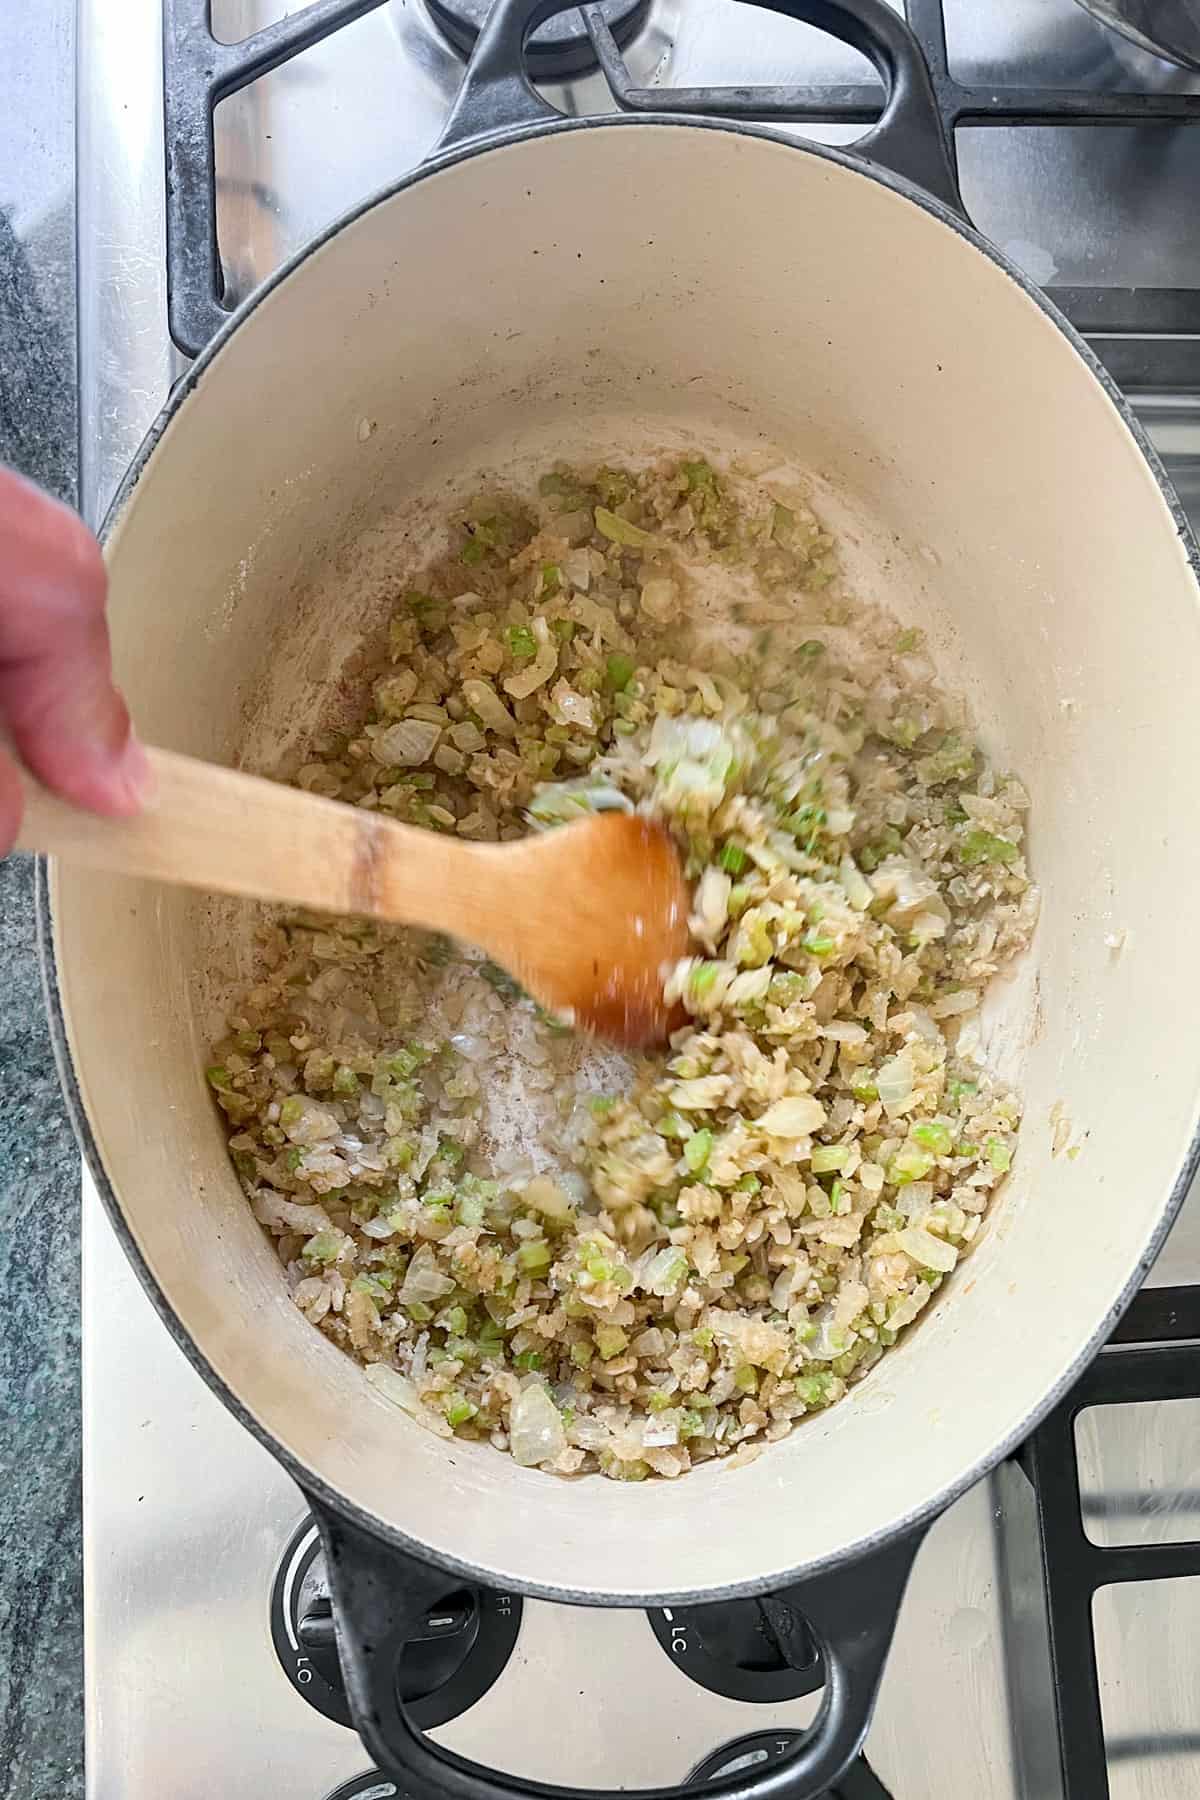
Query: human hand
59	710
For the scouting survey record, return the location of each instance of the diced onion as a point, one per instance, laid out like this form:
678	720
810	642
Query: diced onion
535	1427
527	681
927	1251
485	701
407	744
400	1391
794	1117
895	1083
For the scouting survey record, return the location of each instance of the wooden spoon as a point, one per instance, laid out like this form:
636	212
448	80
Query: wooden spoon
587	917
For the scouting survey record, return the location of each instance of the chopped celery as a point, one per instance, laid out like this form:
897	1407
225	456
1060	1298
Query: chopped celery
827	1157
983	847
666	1271
812	647
534	1255
528	1359
908	1164
611	1340
521	641
999	1154
953	760
377	1286
733	859
324	1247
619	672
698	474
702	980
620	531
745	1377
220	1079
934	1135
697	1150
458	1408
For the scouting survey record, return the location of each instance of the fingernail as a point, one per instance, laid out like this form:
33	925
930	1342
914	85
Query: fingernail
135	774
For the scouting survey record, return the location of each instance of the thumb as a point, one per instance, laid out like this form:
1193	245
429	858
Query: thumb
57	699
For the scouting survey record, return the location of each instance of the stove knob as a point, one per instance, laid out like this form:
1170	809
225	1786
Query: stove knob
314	1629
739	1634
732	1648
860	1781
455	1653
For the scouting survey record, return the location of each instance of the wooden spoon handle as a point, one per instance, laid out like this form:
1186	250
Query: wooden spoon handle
217	828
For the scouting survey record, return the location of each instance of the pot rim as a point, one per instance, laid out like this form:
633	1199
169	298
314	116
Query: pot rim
310	1484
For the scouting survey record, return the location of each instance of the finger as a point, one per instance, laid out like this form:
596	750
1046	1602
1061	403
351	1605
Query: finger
57	698
10	804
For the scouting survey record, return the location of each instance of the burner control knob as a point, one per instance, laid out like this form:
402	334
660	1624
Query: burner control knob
740	1634
440	1643
731	1647
745	1753
455	1653
314	1629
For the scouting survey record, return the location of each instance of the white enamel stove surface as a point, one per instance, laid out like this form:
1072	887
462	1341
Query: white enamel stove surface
186	1517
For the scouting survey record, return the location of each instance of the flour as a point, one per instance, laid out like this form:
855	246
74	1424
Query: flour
534	1081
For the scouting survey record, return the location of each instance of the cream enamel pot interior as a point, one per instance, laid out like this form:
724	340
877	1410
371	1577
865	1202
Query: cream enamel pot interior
613	286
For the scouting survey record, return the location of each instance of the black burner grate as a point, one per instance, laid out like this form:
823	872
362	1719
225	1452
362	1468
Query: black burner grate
1158	1359
1147	336
1139	332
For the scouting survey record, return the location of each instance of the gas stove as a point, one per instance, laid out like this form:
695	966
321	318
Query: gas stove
1049	1644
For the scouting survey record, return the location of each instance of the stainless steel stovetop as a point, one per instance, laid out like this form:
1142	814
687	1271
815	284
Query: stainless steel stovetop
193	1688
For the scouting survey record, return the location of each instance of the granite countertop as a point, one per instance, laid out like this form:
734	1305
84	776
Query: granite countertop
41	1624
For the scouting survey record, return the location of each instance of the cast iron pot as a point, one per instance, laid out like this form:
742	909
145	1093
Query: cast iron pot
546	286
